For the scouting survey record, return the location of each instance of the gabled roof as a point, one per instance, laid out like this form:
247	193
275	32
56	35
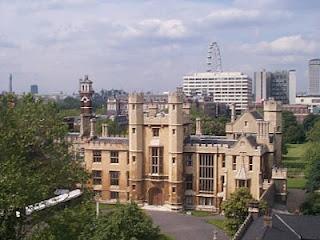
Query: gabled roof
256	115
250	140
284	227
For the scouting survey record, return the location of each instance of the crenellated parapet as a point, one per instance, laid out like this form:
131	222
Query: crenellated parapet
279	173
174	98
136	98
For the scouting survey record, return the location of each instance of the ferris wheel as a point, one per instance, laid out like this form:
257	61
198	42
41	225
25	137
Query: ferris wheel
214	58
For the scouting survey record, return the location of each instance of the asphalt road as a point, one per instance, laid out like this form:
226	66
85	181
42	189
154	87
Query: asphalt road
185	227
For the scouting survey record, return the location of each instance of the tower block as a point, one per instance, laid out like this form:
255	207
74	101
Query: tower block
136	146
86	93
175	155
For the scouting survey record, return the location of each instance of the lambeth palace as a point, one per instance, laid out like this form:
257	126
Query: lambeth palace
160	162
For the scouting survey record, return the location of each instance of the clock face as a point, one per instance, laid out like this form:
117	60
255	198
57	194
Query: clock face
85	99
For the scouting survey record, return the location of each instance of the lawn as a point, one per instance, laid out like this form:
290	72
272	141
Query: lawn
219	223
296	183
198	213
295	163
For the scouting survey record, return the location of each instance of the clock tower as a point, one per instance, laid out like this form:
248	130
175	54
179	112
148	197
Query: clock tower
86	93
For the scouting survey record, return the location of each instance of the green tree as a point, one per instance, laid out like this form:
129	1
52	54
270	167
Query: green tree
313	134
126	222
210	125
71	223
309	121
294	134
312	157
236	209
69	103
113	127
292	131
34	160
312	205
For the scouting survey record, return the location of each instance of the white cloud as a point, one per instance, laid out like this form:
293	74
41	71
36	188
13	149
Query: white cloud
295	44
236	16
172	28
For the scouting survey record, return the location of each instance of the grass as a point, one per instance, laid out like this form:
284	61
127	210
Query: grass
296	183
198	213
295	163
166	237
219	223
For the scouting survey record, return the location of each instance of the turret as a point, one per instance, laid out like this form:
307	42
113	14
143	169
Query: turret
136	145
176	137
273	114
86	92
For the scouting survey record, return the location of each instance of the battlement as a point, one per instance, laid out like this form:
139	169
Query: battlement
279	173
112	143
174	97
136	97
212	146
85	79
272	105
159	119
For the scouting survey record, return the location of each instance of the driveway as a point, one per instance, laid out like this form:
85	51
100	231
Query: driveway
185	227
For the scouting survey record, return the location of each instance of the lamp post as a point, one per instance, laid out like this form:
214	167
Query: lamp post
97	198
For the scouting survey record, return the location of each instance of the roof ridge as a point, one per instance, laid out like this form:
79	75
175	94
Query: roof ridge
288	226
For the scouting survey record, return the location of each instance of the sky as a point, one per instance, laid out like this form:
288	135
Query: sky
149	45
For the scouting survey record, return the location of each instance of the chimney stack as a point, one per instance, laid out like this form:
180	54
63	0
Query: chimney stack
92	127
198	126
267	221
233	112
104	131
254	209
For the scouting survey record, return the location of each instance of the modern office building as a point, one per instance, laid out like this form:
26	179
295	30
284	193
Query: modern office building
161	163
280	85
34	89
314	76
312	101
224	87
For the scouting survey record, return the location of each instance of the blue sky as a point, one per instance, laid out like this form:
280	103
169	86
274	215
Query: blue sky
149	45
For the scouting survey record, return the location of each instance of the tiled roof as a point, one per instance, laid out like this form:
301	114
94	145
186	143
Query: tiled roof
206	139
113	140
284	227
256	115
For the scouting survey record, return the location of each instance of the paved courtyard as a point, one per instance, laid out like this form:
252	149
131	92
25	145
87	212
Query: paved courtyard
185	227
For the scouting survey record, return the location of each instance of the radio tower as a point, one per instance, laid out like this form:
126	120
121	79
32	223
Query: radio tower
10	83
214	58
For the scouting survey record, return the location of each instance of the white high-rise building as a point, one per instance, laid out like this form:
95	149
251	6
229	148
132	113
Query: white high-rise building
224	87
314	76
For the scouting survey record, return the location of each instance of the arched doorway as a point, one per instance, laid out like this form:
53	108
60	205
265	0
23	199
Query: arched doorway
155	196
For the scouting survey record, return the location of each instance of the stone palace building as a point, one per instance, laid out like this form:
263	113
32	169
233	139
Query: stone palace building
161	163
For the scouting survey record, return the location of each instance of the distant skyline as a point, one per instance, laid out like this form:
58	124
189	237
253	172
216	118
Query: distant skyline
150	45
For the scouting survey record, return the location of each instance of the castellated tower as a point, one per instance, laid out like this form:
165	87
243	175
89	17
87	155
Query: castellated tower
175	151
86	93
136	145
273	114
